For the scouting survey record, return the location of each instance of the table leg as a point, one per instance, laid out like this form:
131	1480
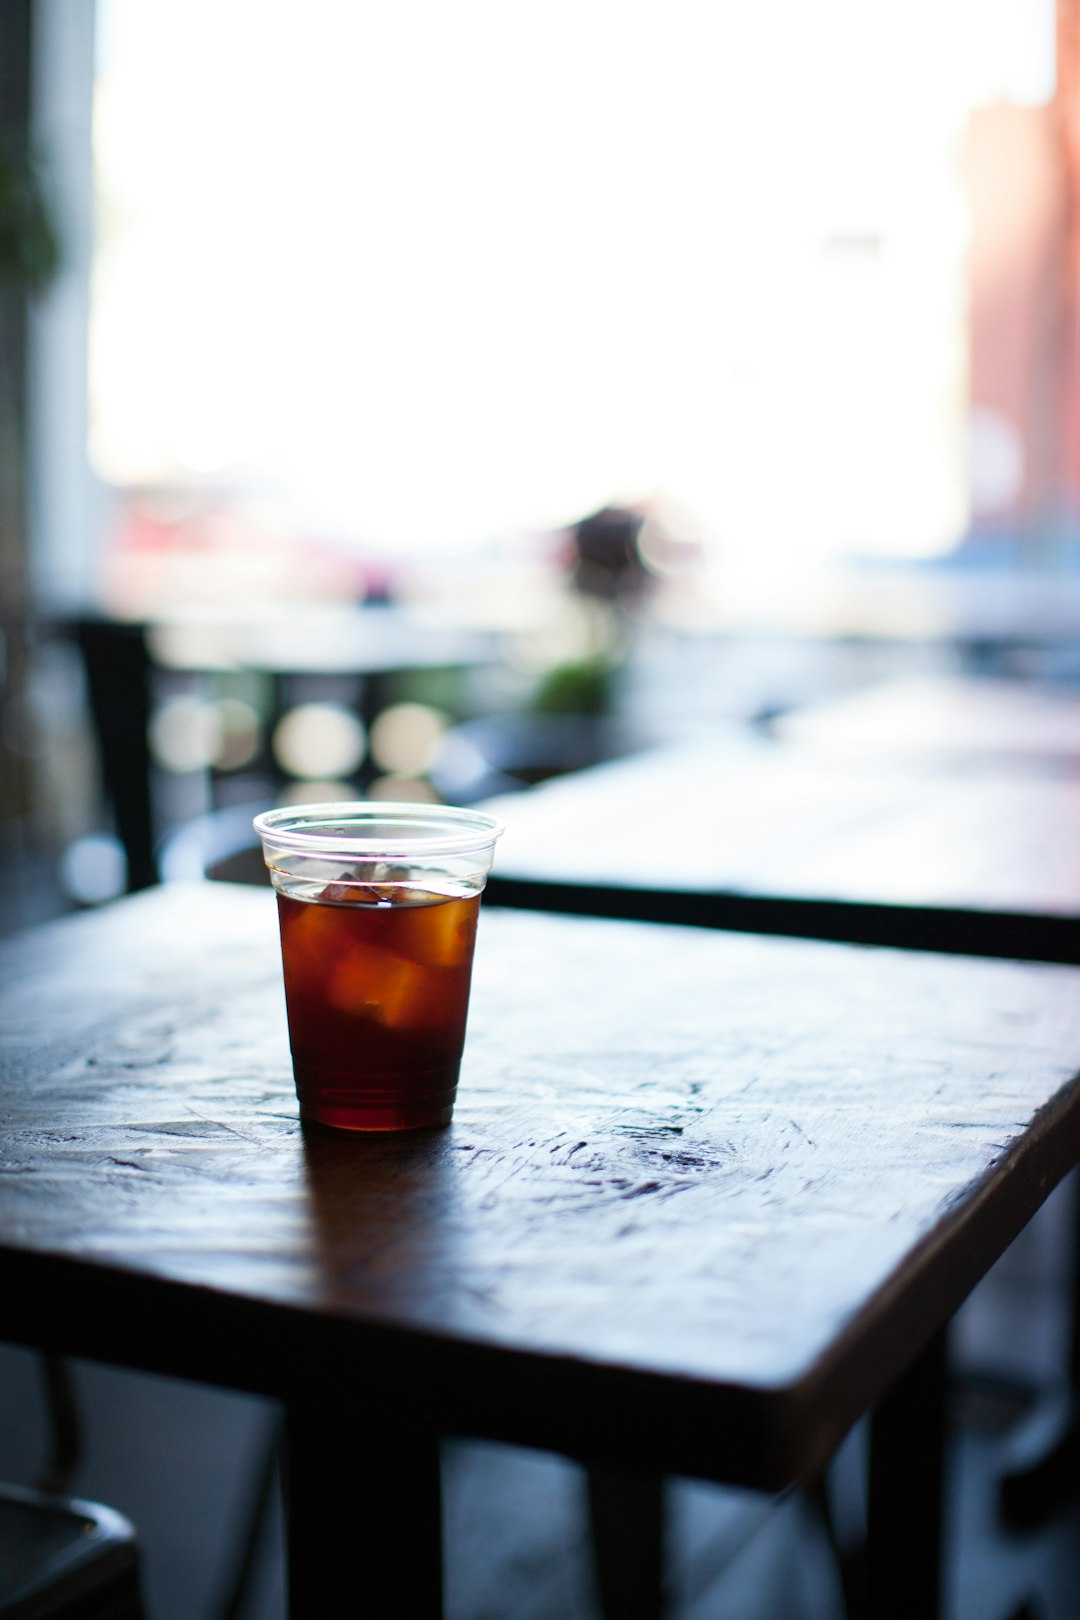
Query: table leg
905	1496
363	1511
626	1512
1032	1494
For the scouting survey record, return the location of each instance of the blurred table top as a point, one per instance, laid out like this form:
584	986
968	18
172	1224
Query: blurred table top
705	1195
332	640
772	837
981	610
951	718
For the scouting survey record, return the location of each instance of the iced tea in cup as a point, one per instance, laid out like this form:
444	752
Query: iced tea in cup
378	906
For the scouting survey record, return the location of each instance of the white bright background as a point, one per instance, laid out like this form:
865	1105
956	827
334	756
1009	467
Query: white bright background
429	274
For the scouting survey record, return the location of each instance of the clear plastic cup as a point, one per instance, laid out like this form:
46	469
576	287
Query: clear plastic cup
378	907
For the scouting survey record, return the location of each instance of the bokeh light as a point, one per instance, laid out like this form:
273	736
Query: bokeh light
94	869
319	740
240	736
186	734
405	737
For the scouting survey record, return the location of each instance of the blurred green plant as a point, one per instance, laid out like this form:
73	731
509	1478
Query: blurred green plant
584	686
29	243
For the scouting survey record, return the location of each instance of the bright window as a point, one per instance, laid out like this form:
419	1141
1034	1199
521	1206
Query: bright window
425	277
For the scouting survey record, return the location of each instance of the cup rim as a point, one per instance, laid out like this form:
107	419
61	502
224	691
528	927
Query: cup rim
395	828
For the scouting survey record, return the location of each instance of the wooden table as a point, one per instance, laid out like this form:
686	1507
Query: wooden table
773	838
935	815
707	1198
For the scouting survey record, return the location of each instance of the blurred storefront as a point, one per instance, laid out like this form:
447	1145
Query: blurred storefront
381	348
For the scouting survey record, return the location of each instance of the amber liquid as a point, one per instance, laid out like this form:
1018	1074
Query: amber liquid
377	990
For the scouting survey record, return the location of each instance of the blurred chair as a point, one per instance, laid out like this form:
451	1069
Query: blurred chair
65	1559
62	1558
117	669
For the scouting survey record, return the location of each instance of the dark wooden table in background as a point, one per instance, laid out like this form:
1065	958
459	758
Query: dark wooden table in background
964	855
707	1199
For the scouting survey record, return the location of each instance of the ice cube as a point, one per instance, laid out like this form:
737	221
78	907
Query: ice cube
439	934
347	892
309	935
382	987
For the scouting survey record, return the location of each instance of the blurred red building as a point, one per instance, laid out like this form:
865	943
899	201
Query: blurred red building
1024	175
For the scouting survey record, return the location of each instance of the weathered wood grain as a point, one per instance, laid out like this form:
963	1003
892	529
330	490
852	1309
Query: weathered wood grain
703	1197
